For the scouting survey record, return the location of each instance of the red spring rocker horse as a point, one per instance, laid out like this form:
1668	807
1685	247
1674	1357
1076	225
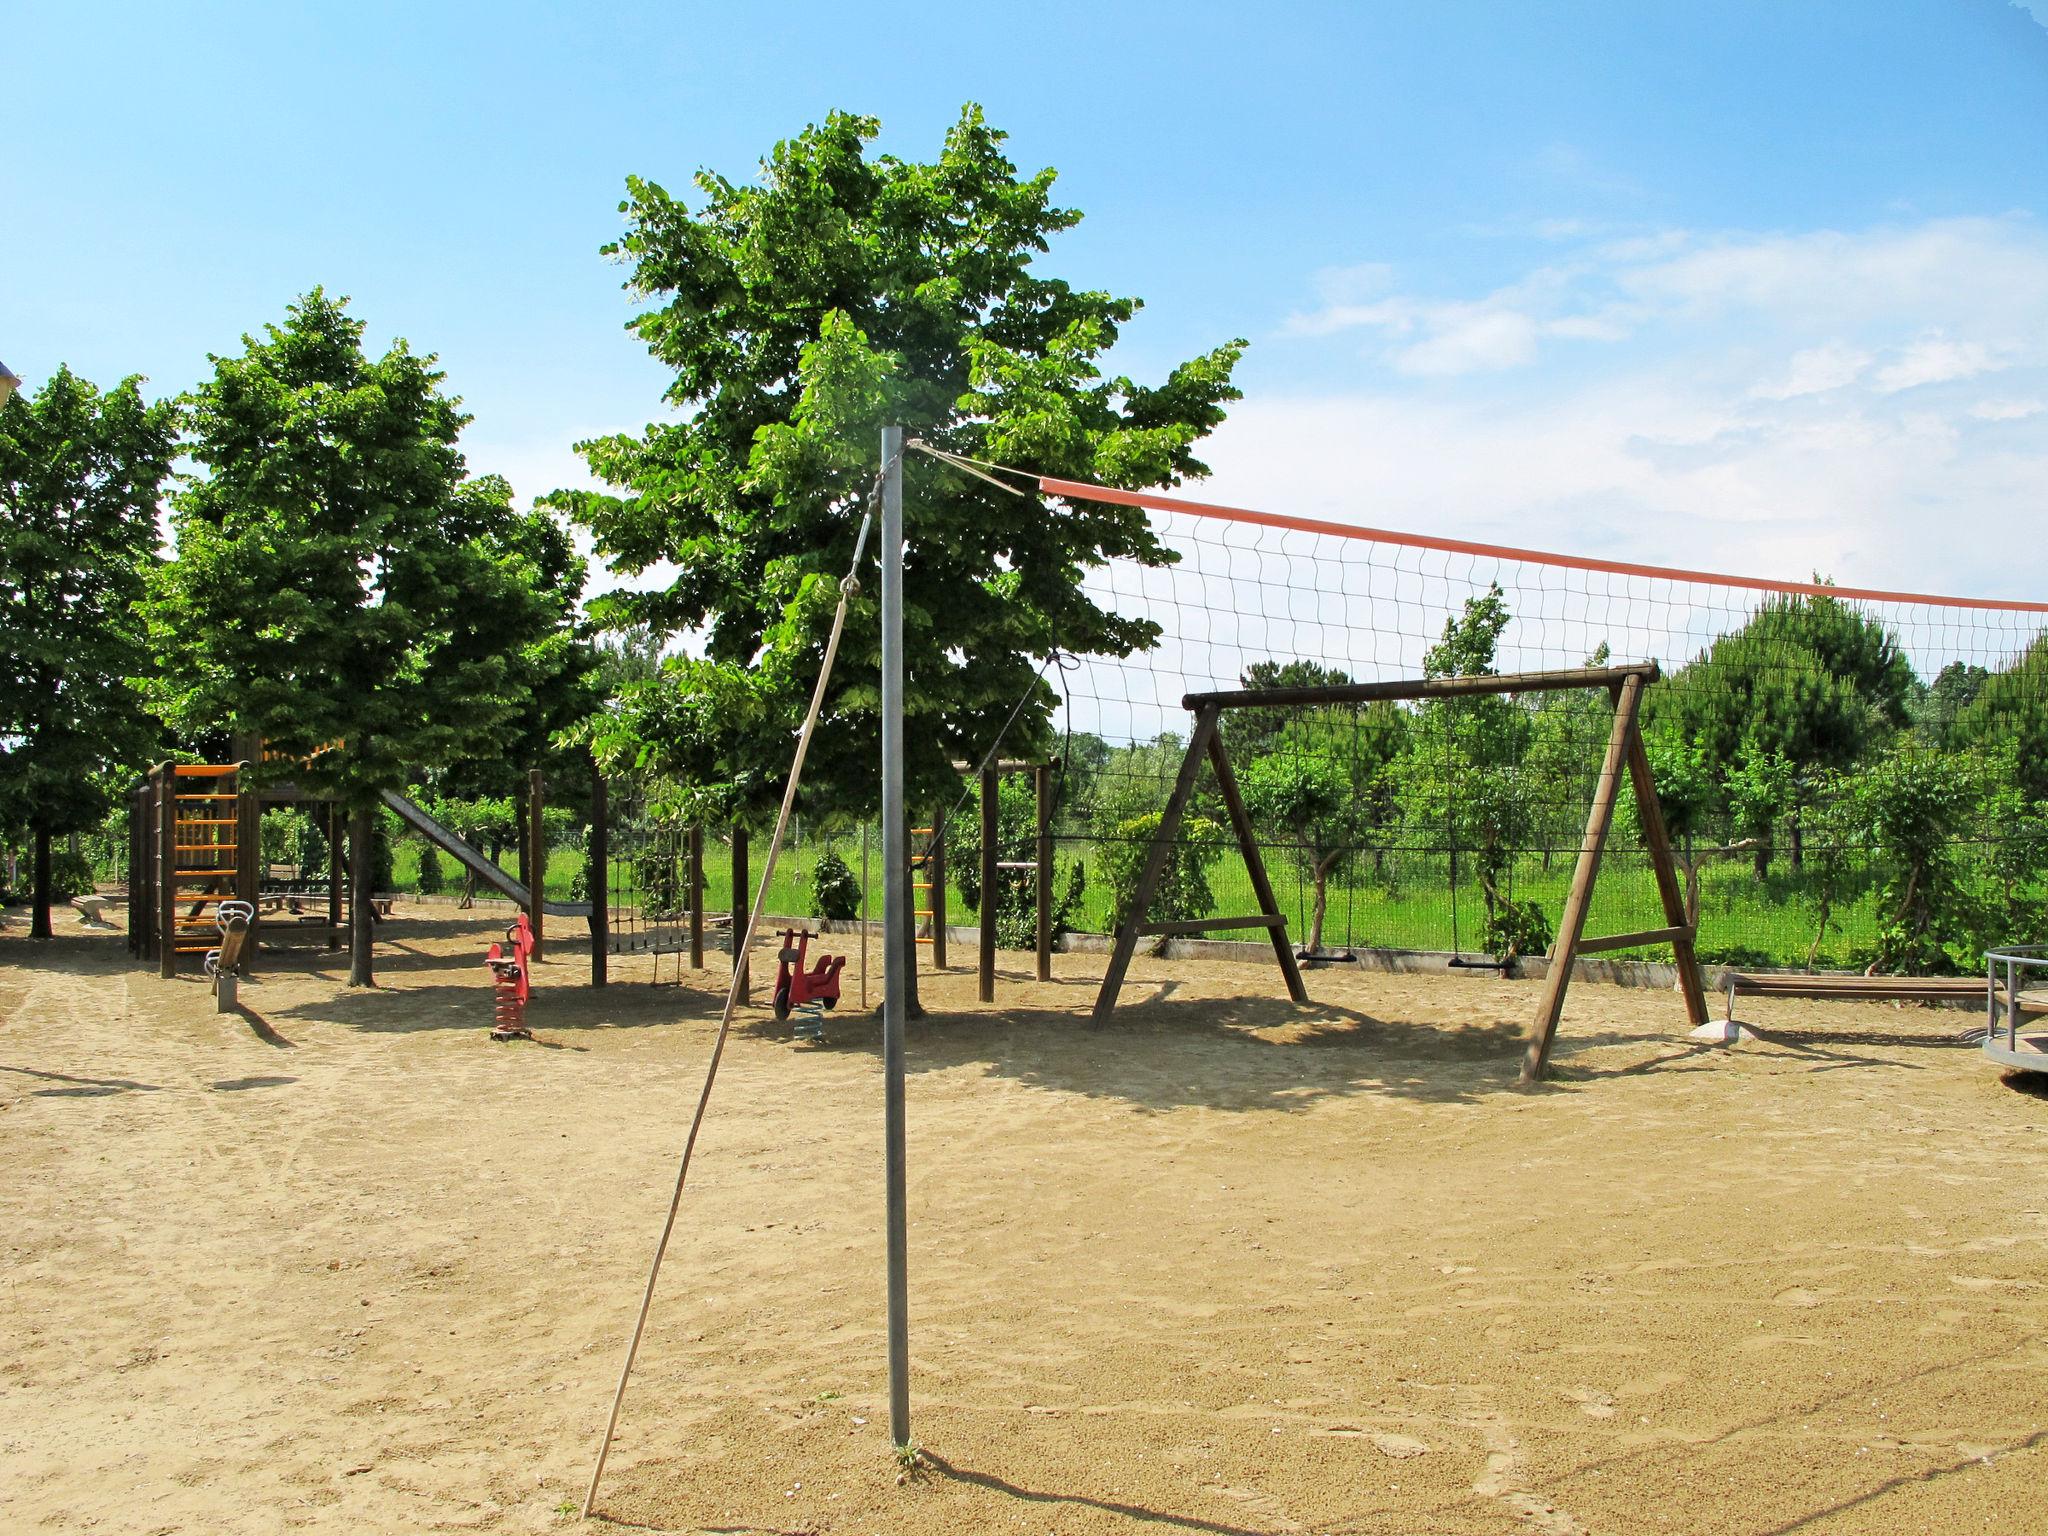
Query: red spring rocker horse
806	993
511	981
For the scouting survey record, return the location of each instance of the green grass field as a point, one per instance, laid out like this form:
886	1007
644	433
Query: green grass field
1772	921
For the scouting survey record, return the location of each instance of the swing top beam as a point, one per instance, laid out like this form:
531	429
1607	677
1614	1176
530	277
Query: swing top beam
1424	687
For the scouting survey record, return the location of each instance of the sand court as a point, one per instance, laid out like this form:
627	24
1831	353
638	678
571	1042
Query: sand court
1231	1266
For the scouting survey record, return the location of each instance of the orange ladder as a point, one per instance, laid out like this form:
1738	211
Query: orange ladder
204	849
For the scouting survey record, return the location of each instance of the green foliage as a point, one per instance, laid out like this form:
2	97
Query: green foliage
1184	892
2009	711
1016	895
835	892
70	874
799	314
1460	784
80	472
429	880
1325	784
340	577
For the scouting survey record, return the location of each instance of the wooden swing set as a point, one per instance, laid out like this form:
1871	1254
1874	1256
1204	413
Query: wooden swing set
1624	686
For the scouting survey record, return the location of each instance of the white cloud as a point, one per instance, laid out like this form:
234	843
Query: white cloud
1769	404
2007	410
1935	360
2038	9
1470	339
1815	371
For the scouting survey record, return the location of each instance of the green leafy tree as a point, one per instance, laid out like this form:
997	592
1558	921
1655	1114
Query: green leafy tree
1461	779
799	314
1916	806
1183	893
1808	679
2009	710
80	473
339	577
1325	785
1759	787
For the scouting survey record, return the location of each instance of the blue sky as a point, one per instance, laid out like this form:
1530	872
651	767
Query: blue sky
1762	287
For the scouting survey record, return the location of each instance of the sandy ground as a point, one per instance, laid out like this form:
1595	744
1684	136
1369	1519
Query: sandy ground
1230	1267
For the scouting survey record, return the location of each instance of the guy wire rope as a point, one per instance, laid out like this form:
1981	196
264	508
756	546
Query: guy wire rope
848	585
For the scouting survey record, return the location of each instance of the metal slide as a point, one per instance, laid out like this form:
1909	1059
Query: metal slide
473	861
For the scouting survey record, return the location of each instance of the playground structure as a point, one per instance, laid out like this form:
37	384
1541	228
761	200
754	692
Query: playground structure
510	963
223	963
195	845
1625	749
806	993
2009	1000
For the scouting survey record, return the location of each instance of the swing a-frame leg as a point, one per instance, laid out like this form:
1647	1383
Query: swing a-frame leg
1205	742
1624	746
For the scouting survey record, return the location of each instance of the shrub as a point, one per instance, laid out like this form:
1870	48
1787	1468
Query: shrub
429	881
835	893
1183	893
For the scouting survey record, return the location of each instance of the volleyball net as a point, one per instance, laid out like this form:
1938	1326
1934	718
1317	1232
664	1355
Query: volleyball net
1851	776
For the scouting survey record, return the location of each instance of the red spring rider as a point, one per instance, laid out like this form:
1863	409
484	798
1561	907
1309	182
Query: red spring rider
806	993
511	981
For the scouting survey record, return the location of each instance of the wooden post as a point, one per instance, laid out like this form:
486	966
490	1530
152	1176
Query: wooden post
696	898
166	871
333	874
249	842
597	880
935	866
1155	863
1572	925
1241	821
362	870
741	895
1041	878
1650	811
535	873
990	804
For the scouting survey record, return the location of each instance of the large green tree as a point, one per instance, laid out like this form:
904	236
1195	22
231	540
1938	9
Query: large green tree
1462	780
1809	680
839	292
80	473
339	576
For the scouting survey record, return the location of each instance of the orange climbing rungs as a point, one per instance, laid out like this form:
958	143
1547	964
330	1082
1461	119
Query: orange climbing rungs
203	874
194	821
229	796
203	770
205	847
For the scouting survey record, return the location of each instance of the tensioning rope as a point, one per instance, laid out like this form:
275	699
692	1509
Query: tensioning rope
848	586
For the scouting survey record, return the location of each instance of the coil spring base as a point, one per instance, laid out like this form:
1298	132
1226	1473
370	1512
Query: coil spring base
808	1021
508	1008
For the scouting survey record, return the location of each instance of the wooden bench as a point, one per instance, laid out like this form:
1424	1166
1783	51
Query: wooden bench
1844	989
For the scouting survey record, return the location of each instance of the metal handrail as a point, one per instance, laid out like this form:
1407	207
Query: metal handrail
2015	958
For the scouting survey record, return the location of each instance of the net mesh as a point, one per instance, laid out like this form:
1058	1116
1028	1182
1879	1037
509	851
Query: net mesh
1851	779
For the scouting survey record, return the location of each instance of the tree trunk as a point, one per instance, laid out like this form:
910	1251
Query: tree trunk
39	921
1322	904
360	916
1798	849
1763	860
